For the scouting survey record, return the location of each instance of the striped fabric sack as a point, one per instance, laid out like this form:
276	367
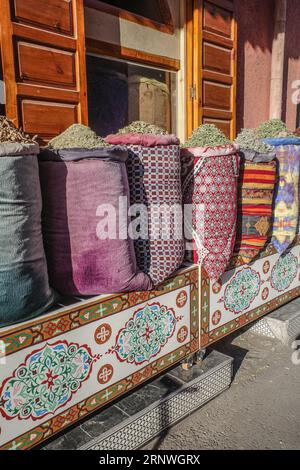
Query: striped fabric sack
255	198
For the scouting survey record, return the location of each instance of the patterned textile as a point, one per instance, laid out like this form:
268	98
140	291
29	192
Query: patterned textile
153	169
286	211
255	198
209	180
154	180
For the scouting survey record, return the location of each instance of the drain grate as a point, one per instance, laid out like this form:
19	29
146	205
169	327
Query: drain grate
262	328
202	387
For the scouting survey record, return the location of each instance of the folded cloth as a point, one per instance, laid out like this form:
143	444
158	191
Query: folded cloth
279	141
145	140
256	157
77	154
209	185
255	198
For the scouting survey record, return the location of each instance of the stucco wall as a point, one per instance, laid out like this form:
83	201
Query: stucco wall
292	62
255	34
255	20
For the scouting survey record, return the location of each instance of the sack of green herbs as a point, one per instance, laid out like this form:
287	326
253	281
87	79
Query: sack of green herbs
252	147
209	171
153	167
25	290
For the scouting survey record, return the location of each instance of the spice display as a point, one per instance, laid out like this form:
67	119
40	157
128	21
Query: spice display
77	136
209	186
256	187
141	127
25	291
9	133
273	128
248	139
205	136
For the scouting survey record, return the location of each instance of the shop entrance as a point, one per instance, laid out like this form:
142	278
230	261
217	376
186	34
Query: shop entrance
211	64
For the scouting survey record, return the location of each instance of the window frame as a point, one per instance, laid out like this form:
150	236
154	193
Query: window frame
113	51
167	26
142	63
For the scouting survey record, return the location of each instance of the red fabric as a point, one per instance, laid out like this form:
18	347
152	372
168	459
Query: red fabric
210	186
145	140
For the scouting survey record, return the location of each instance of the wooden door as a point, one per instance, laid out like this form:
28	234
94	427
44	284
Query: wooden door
211	64
43	56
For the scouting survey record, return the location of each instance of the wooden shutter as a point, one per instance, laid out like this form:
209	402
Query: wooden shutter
211	57
43	56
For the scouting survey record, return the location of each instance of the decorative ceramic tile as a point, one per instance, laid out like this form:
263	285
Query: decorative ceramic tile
247	292
67	364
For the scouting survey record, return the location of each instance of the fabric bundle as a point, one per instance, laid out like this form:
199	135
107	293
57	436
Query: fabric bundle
154	178
286	210
24	286
83	221
209	182
255	198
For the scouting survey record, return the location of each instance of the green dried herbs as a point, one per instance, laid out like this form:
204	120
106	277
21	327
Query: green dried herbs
10	134
207	135
141	127
249	140
77	136
273	128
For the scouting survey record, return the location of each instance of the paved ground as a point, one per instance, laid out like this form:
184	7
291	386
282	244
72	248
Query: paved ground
261	410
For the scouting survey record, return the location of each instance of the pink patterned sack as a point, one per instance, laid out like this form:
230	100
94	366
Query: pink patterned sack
209	185
145	140
153	167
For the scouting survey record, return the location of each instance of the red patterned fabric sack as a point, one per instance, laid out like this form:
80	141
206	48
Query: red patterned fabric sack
209	186
153	169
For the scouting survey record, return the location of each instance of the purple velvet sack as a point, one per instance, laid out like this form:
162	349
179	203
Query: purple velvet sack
75	185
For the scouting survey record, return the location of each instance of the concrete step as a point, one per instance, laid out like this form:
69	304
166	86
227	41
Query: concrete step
282	324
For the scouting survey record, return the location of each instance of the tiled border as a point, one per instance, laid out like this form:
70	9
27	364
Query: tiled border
209	337
67	319
89	405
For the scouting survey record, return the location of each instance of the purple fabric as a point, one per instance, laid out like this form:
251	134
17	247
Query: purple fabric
78	261
145	140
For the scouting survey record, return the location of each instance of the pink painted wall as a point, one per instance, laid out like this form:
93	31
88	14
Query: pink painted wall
255	19
292	62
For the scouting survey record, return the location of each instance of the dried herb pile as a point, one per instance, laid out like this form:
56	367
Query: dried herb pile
207	135
10	134
77	136
273	128
249	140
141	127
